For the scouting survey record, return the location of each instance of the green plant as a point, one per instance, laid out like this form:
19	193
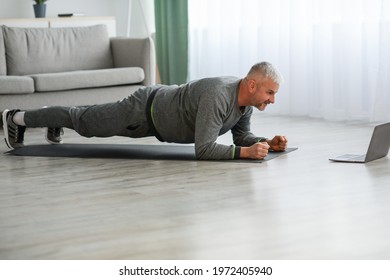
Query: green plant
39	1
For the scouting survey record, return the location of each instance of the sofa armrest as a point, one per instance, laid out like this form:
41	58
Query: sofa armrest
135	52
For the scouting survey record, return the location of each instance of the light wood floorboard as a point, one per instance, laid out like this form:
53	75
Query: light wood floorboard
297	206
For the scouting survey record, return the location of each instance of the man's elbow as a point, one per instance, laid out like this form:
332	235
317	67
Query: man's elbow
203	153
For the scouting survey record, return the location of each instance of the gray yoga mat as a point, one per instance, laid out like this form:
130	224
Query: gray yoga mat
129	151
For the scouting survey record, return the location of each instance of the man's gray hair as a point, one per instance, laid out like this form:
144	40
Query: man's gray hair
267	70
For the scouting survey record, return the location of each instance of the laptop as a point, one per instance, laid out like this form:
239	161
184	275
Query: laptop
378	148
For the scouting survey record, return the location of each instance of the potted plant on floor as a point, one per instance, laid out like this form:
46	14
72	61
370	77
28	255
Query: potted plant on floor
39	8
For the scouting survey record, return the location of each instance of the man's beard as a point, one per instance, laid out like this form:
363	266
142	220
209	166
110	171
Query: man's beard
262	106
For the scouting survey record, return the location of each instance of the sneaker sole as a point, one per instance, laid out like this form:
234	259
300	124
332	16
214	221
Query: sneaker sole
5	128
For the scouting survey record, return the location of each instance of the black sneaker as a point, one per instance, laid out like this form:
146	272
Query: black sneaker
14	134
53	135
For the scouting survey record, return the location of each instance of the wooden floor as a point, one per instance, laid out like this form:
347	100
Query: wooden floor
297	206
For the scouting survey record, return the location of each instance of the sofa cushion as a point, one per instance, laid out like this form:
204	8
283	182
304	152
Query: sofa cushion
88	79
51	50
16	85
3	67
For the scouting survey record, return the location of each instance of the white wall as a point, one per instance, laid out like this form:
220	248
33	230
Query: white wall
117	8
141	17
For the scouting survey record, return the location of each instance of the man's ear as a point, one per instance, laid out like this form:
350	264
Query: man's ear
252	85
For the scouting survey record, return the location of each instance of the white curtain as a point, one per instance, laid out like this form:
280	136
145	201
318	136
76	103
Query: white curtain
333	54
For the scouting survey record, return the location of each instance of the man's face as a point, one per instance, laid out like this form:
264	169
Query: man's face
263	93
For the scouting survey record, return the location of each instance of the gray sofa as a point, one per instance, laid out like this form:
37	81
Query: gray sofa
71	66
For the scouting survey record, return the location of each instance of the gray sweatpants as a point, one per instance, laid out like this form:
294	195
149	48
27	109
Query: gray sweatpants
126	117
